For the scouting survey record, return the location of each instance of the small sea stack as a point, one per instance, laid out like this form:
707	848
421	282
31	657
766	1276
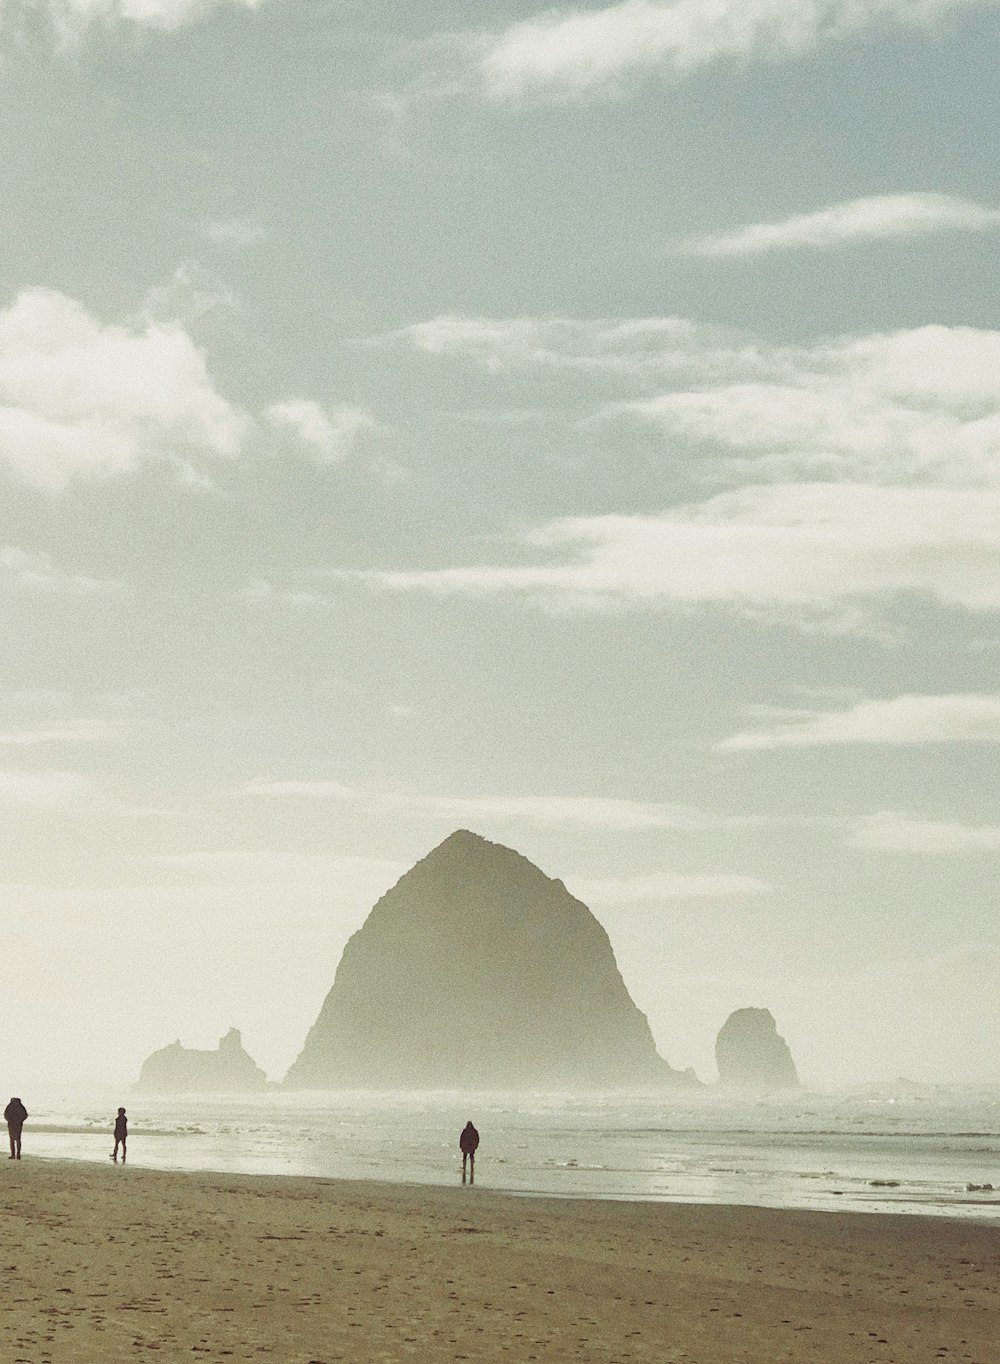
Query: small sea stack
182	1070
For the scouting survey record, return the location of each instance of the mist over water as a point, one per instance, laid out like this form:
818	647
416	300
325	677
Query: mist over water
880	1149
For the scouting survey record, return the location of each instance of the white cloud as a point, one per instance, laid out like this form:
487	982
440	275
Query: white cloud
50	789
81	400
70	19
933	361
364	877
625	346
961	718
905	406
74	732
189	295
585	811
823	428
889	832
582	50
233	232
261	592
327	435
804	549
634	890
596	812
26	572
310	790
903	429
914	405
871	219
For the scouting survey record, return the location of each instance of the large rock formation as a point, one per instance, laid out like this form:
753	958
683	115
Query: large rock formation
478	971
177	1070
751	1055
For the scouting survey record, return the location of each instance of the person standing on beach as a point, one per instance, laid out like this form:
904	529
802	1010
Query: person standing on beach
16	1114
121	1135
467	1144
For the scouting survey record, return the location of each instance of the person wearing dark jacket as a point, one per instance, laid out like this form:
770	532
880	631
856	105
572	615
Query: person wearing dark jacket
121	1135
15	1113
467	1144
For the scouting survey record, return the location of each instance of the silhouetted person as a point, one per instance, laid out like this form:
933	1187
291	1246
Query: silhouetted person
121	1135
15	1113
467	1144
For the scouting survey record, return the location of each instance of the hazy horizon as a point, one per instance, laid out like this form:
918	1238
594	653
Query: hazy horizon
576	424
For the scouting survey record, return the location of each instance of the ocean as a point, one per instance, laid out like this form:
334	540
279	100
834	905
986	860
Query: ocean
916	1149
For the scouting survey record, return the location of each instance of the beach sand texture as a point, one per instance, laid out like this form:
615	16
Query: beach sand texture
111	1263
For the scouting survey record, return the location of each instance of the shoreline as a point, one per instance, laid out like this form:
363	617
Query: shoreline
103	1262
968	1210
916	1156
484	1189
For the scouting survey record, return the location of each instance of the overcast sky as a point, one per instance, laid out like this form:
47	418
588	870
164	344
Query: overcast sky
578	425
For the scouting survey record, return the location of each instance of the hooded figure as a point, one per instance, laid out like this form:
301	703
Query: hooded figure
467	1144
15	1113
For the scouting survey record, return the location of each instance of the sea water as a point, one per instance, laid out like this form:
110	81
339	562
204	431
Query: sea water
900	1149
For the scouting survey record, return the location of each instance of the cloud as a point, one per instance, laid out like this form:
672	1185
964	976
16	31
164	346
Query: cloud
961	718
870	468
624	346
70	19
22	571
365	877
74	732
262	592
872	219
326	435
889	832
575	52
83	400
906	406
189	295
913	405
310	790
49	789
799	549
237	232
585	811
635	890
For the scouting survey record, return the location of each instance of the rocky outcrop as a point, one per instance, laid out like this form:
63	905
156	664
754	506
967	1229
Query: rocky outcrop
177	1070
478	971
751	1055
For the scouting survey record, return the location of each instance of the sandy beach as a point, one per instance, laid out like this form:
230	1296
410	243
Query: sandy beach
107	1263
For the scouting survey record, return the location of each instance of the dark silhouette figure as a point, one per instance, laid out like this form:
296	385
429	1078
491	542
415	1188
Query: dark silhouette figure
467	1144
121	1135
15	1113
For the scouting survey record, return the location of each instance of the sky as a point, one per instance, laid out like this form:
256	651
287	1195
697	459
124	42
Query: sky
580	425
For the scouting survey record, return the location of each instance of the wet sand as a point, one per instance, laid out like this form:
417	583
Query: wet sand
109	1263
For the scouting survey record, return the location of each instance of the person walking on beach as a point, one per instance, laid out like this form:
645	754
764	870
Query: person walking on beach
121	1135
467	1144
16	1114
